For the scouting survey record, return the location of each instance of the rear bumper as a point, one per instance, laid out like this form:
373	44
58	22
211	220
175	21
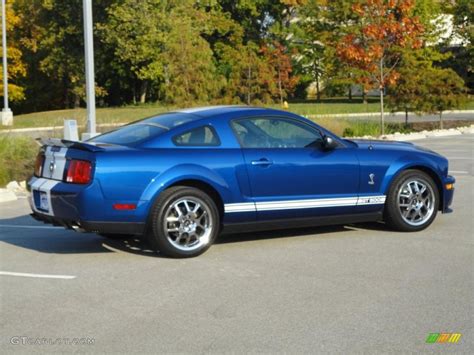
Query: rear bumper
83	208
134	228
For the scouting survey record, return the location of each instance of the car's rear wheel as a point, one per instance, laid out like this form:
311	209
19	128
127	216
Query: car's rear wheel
412	202
184	222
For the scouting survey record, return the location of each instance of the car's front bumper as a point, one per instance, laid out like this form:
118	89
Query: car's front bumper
448	193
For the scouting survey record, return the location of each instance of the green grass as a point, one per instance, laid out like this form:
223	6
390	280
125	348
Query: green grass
17	158
469	105
359	128
131	113
332	106
104	115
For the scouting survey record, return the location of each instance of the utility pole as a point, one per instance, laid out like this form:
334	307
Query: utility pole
89	61
6	114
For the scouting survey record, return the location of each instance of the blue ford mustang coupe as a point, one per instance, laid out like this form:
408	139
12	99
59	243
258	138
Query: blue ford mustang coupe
182	178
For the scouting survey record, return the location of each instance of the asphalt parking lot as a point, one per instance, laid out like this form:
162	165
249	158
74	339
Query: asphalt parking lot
354	288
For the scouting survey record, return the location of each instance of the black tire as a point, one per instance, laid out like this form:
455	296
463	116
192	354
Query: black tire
159	237
115	236
393	211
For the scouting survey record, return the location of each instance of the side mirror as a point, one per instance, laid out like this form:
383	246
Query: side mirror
329	143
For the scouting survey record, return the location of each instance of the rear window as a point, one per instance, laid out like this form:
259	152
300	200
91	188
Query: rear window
130	135
142	130
170	120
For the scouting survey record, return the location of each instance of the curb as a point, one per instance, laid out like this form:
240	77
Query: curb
55	128
7	196
422	135
376	114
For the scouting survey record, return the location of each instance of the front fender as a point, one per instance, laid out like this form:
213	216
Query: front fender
186	172
407	162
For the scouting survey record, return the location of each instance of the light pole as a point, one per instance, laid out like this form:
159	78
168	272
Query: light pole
7	115
89	60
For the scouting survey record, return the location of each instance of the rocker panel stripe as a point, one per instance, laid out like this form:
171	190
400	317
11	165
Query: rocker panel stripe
301	204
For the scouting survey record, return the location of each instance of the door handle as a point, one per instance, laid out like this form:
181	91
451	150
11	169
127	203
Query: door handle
262	162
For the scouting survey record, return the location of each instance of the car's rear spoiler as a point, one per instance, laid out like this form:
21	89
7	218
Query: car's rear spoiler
57	142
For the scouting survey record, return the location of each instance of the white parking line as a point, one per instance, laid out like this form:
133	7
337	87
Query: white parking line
29	227
22	274
458	172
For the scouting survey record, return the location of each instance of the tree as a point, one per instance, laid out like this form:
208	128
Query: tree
251	77
444	91
137	30
62	48
413	86
16	66
409	92
463	26
277	57
190	74
372	46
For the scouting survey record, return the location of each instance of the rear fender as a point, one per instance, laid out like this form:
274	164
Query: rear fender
186	172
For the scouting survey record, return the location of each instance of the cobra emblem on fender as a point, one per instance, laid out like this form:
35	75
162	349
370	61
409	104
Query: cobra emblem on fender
371	179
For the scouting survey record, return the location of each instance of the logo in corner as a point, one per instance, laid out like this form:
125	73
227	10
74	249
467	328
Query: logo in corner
443	338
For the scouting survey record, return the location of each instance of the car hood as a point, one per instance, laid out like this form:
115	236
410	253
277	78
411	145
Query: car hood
391	145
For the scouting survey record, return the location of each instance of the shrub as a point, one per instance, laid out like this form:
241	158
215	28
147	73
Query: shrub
17	158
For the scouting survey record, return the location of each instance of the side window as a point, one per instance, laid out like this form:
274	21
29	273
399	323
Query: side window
198	137
275	133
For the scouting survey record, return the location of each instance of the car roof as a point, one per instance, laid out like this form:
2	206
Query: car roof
208	112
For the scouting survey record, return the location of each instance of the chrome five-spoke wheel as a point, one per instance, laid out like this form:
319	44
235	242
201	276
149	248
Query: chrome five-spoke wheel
412	202
416	202
184	222
188	223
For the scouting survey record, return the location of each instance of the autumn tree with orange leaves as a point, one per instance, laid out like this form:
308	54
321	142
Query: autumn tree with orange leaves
373	45
279	60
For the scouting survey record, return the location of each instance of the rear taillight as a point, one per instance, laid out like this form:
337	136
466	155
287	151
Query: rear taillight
39	164
79	172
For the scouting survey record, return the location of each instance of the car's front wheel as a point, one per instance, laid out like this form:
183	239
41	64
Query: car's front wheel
184	222
412	202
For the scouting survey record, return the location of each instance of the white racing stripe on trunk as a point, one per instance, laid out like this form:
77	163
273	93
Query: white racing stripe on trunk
302	204
43	185
52	172
54	163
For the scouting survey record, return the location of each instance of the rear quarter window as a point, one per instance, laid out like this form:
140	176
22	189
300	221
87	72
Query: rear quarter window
198	137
